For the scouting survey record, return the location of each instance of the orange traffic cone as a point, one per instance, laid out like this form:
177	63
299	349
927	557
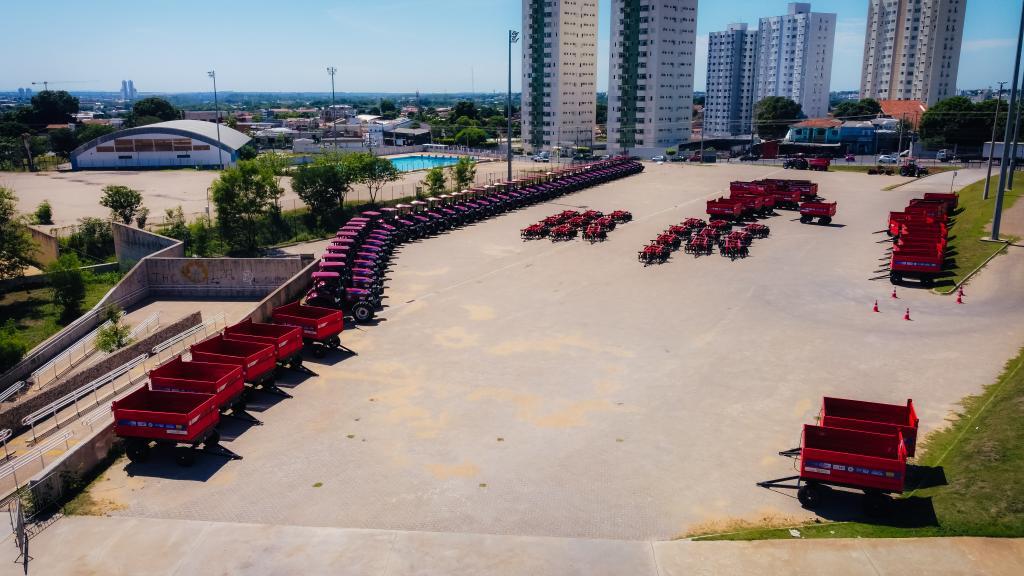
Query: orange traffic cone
894	293
959	298
875	309
906	315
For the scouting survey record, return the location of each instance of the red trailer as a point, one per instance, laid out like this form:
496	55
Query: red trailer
286	340
256	360
923	264
320	326
868	461
951	200
823	211
172	418
223	381
872	417
820	164
726	208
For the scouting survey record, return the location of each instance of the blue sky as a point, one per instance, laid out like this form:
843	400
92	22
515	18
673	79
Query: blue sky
377	45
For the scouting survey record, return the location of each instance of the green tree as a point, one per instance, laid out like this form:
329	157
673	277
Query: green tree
93	238
11	129
243	195
465	108
90	132
43	213
464	172
12	347
16	245
53	107
62	142
435	181
204	237
865	109
957	121
116	335
11	153
157	107
601	116
124	202
774	115
141	216
371	171
68	284
248	152
323	184
471	137
175	226
136	121
671	152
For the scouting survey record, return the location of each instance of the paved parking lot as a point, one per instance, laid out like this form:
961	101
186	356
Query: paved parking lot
565	390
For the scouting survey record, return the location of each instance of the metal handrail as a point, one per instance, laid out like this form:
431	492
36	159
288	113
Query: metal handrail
145	325
21	461
84	346
218	319
12	390
72	397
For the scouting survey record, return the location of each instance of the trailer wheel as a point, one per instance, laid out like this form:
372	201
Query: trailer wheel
825	221
319	351
804	218
137	450
362	312
213	439
927	282
334	342
809	495
895	277
185	457
876	504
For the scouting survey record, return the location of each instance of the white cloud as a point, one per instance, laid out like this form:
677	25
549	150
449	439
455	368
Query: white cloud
987	44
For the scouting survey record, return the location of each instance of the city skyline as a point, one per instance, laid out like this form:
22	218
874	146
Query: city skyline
391	55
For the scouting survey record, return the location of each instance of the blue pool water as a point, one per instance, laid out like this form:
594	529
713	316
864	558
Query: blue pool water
410	163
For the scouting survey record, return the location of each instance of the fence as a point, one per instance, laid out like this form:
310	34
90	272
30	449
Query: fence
39	453
14	389
66	360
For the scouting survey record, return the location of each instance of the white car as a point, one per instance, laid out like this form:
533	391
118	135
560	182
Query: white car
541	158
658	159
888	159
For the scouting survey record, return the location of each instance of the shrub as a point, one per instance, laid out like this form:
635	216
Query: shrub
68	284
115	336
44	213
93	239
141	216
12	347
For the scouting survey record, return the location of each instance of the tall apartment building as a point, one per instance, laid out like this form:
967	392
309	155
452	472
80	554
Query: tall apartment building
912	49
794	58
732	67
650	74
559	96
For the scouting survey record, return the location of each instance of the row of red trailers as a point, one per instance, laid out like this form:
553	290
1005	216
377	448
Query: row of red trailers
919	235
184	401
760	198
857	445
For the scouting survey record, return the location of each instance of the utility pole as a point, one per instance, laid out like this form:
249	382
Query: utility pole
997	215
216	105
513	37
334	121
992	145
1013	149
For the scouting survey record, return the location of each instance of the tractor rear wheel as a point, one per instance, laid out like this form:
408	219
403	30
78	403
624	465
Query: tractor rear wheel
809	495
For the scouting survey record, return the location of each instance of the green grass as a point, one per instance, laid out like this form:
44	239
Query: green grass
981	457
974	215
895	168
35	316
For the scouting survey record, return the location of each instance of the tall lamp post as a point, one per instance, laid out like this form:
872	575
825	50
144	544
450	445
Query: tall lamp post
216	105
513	37
1011	118
992	147
334	121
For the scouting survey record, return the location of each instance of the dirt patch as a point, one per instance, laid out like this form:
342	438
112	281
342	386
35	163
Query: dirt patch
765	520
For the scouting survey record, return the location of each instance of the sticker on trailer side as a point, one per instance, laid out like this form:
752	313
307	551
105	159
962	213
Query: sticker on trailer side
826	468
161	425
917	264
305	329
253	363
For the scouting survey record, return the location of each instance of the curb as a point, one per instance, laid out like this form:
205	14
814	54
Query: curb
1005	243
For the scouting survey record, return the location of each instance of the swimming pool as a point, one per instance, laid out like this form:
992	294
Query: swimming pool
410	163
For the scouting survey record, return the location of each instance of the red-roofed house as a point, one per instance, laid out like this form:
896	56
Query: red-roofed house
909	110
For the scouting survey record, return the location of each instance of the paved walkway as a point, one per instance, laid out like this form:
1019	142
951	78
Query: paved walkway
94	545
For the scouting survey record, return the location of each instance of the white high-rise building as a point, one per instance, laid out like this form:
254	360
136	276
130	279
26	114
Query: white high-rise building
650	83
794	58
559	96
912	49
732	66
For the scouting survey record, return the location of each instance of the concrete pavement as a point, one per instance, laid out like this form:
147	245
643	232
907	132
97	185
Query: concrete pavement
129	546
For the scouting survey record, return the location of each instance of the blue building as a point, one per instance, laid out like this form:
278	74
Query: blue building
815	131
858	137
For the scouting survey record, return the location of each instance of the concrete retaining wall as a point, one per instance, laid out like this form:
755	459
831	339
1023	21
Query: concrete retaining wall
78	463
218	277
47	247
133	244
43	280
12	412
289	291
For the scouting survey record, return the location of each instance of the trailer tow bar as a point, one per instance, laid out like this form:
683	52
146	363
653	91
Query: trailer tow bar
219	450
780	482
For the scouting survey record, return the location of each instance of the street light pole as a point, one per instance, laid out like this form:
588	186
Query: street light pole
1013	149
216	106
1011	117
334	121
992	144
513	37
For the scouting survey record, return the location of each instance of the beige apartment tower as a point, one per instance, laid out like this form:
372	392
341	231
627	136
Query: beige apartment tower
650	75
912	49
559	96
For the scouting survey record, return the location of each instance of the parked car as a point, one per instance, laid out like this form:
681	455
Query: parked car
677	158
851	158
542	157
888	159
658	158
748	157
695	157
943	155
796	163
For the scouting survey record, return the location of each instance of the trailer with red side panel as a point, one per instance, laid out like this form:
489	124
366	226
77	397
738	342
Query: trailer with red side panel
868	461
146	416
321	327
951	200
224	381
257	361
726	209
286	340
823	211
922	264
872	417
